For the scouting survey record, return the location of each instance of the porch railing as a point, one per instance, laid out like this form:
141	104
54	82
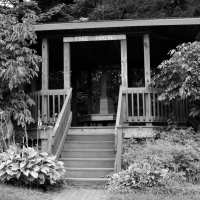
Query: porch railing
48	103
62	126
142	105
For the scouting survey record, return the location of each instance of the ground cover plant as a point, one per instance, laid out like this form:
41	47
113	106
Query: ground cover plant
28	166
168	164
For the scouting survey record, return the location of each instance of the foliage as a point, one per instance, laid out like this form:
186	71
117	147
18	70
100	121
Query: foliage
27	166
126	9
83	10
180	75
140	174
173	158
18	62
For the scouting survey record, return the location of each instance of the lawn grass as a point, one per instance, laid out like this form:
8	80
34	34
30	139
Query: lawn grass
9	192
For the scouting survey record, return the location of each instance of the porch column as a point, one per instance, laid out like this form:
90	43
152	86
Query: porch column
124	63
147	75
147	60
124	73
45	76
67	69
67	66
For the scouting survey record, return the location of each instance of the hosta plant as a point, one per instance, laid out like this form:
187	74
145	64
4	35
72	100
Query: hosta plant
28	166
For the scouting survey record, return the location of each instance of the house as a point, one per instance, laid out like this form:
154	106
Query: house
90	151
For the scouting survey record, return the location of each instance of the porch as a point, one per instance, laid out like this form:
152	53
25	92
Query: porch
79	102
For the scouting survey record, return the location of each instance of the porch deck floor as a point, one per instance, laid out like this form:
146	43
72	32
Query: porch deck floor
82	194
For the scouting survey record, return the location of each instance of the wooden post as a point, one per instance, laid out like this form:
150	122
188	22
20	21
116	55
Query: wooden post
119	148
103	82
124	73
89	77
124	63
147	74
45	75
67	66
147	60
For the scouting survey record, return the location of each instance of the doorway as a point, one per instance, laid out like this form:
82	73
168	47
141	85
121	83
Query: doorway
97	64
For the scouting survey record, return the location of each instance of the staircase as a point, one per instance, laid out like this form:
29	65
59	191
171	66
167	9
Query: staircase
89	154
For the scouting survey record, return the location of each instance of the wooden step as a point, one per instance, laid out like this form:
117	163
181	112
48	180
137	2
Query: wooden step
88	130
90	137
88	172
88	153
89	145
88	162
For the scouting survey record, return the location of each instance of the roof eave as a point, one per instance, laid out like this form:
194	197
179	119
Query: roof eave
116	23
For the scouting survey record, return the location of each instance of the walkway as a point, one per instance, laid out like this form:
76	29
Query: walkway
82	194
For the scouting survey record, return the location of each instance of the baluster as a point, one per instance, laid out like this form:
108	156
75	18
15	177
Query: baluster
39	105
48	109
53	104
59	103
154	107
132	96
36	106
43	109
126	107
158	108
138	107
143	103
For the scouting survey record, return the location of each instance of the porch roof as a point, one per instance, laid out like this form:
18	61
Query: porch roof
165	34
117	23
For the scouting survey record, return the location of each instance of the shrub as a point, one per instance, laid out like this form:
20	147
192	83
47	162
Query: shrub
144	173
173	158
27	166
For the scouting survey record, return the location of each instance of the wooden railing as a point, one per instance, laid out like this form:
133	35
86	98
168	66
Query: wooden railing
62	125
136	105
118	132
48	103
142	105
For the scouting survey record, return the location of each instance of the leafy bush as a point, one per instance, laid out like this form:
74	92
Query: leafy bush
179	75
27	166
173	158
144	173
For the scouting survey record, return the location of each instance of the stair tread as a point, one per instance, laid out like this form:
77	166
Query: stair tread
95	134
89	159
87	169
92	127
83	142
90	150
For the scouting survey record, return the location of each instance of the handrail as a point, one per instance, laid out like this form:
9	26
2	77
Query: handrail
119	106
118	132
62	125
